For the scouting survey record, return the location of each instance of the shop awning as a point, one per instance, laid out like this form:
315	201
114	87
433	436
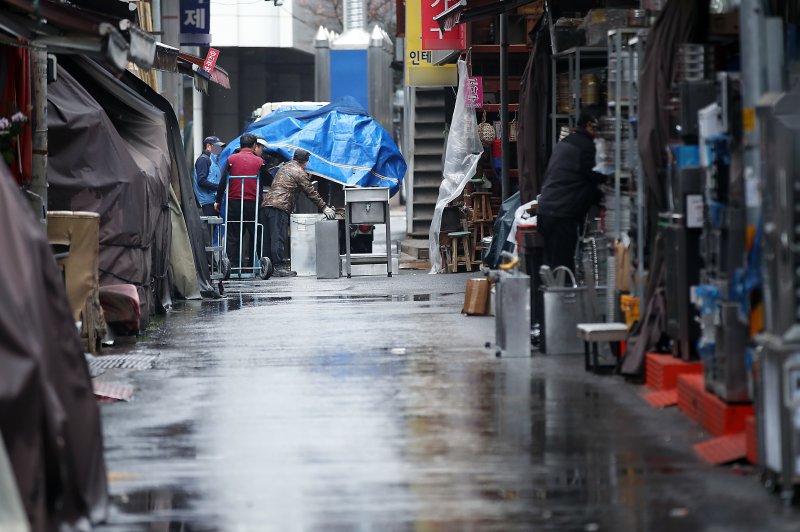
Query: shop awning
218	75
170	59
469	10
68	28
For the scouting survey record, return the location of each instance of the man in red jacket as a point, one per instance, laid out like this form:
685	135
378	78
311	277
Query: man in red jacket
242	198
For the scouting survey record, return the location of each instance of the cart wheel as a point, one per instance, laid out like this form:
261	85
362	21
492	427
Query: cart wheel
225	267
266	269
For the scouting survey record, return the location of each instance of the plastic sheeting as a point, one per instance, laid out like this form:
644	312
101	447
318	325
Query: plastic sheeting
347	146
462	155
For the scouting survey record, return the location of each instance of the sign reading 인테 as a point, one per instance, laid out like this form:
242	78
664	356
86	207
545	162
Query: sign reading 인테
211	60
421	71
473	95
195	21
452	37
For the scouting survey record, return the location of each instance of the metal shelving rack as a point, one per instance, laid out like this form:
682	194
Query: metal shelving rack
578	60
622	104
636	45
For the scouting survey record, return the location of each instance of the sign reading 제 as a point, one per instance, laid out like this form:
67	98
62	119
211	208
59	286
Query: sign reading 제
433	36
195	19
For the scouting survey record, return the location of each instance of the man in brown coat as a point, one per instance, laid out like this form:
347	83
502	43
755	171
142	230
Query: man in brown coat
279	203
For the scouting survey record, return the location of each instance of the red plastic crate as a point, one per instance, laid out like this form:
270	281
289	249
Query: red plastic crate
722	449
690	396
661	398
720	418
662	371
752	439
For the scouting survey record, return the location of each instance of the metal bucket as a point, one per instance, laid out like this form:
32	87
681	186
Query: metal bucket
564	309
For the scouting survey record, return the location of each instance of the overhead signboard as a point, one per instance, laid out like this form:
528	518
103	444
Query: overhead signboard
420	68
195	21
434	37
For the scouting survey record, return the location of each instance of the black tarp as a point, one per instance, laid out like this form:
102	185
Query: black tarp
91	167
142	128
502	227
680	22
147	122
181	182
532	139
48	415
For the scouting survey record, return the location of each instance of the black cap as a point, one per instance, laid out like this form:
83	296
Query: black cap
214	141
301	156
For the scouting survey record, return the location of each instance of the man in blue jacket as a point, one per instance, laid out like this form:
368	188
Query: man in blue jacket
207	175
570	188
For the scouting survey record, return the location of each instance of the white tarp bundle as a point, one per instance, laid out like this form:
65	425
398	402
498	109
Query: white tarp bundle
462	154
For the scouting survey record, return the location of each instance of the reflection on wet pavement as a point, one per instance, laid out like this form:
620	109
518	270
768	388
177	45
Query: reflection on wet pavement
372	405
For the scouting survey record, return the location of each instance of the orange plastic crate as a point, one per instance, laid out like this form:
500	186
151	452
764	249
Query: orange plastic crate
722	449
720	418
752	439
662	371
690	396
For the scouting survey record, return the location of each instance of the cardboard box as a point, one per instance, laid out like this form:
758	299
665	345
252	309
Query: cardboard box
724	23
476	298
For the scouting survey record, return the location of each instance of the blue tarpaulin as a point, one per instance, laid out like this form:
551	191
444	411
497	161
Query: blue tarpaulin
346	145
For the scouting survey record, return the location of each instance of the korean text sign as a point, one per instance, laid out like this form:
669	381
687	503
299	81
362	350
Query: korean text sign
420	68
473	95
453	37
195	20
211	60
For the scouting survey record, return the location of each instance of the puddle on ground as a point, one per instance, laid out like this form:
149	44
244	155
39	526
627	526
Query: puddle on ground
232	302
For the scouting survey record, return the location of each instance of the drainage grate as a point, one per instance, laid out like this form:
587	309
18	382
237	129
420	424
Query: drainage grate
97	365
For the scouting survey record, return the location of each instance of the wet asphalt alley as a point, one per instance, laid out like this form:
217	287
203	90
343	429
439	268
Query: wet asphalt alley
371	404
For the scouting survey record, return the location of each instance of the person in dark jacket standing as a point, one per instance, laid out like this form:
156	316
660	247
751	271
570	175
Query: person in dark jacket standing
571	187
207	174
242	198
279	203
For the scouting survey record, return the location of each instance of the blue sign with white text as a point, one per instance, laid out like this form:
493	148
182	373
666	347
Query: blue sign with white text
195	20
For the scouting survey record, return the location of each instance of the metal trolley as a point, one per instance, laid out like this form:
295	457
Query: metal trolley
218	262
261	267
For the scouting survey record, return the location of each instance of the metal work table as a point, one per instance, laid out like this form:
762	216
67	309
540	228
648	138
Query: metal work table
367	206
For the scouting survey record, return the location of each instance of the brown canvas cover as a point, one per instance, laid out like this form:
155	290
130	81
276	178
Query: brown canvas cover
48	415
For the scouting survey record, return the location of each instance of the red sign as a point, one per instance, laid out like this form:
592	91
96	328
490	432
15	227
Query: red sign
473	95
211	60
433	37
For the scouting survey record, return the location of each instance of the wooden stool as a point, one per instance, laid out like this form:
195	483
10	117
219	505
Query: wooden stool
595	333
482	207
464	257
444	250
